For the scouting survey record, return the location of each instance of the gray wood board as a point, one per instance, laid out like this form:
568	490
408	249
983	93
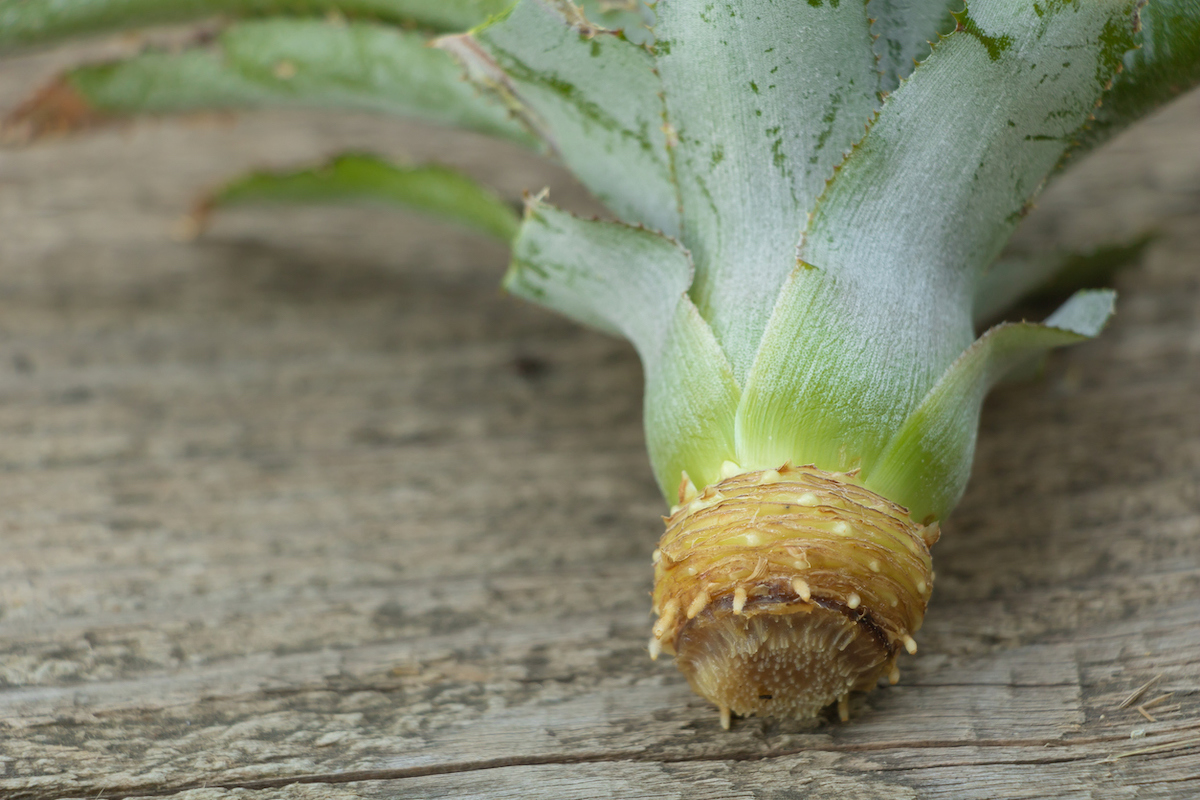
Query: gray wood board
309	509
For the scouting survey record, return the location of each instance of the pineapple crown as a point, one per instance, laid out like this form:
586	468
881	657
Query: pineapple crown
808	198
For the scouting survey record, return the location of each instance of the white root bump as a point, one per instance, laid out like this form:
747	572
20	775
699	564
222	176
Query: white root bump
910	644
807	499
853	600
666	619
739	600
844	708
894	675
729	469
698	604
802	589
655	648
726	717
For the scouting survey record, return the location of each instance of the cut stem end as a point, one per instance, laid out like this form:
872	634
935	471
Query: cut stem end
781	591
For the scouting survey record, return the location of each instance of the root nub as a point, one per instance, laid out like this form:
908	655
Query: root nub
797	586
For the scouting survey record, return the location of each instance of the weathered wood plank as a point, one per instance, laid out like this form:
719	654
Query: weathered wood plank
307	509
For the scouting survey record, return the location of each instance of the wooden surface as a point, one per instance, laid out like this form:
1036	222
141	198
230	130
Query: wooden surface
309	509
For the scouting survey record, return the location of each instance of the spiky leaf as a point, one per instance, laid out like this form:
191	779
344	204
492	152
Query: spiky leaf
354	178
926	466
946	171
615	277
691	403
916	211
1165	65
25	23
591	95
906	31
633	282
360	66
764	98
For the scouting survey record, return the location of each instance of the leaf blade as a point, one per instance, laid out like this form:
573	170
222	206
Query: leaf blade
906	29
832	380
429	188
945	172
611	276
691	405
589	93
633	282
1166	65
358	66
764	99
899	238
39	22
926	465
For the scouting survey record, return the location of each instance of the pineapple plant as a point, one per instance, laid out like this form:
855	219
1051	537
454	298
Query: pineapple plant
807	203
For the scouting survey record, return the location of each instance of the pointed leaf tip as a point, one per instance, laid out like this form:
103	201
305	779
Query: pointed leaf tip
926	465
1086	313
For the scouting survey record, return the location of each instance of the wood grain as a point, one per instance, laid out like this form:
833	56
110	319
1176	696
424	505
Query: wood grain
308	509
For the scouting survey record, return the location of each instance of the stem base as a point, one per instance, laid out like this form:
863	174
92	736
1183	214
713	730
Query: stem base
780	591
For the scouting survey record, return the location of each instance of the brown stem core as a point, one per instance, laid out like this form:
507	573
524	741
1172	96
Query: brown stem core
780	591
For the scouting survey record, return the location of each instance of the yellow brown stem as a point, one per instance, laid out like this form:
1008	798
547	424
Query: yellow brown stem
780	591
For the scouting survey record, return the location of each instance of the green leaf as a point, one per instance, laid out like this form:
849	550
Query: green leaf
903	231
691	405
946	171
633	282
614	277
430	188
1166	65
836	362
591	95
360	66
763	98
906	29
1052	276
25	23
926	466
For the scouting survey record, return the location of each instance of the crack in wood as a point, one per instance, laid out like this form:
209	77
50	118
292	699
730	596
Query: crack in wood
358	776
